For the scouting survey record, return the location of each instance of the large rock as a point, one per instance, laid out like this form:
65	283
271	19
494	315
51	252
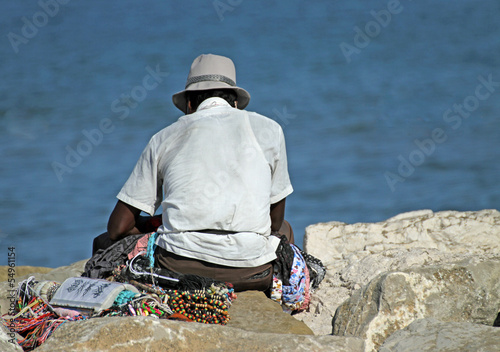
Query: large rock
253	311
148	334
356	253
461	292
431	335
22	271
448	231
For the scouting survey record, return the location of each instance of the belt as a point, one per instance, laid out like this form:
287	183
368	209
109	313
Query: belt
218	232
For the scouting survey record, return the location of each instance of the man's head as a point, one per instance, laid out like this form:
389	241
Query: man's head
211	74
196	97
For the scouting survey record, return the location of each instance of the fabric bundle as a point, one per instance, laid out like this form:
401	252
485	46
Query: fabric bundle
296	274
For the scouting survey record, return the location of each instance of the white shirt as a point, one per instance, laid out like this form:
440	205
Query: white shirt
219	168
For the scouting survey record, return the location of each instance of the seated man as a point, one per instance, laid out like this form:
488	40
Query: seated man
220	174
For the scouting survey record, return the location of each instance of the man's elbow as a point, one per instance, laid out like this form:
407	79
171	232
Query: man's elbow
115	232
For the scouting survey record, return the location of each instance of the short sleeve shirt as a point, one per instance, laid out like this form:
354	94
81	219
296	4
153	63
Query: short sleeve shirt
219	168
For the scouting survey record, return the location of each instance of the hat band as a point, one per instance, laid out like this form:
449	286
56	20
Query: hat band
214	78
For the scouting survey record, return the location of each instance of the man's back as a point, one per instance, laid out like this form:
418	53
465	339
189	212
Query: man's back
216	166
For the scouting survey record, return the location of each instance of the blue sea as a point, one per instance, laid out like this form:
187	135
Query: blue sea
387	106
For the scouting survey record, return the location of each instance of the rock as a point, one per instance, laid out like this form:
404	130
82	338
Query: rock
62	273
356	253
448	231
253	311
431	335
461	292
147	334
22	271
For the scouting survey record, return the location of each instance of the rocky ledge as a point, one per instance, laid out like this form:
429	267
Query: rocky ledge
384	278
420	281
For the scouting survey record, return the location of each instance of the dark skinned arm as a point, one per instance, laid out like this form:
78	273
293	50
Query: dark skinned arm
122	222
277	215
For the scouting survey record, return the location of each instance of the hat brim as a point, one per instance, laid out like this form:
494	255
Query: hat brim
180	101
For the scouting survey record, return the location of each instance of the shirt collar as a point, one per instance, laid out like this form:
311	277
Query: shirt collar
211	103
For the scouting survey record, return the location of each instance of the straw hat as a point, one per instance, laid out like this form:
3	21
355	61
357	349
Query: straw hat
210	71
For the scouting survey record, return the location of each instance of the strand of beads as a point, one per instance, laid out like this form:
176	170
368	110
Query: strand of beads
124	297
200	306
226	291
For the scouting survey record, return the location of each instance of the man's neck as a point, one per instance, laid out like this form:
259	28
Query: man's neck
211	103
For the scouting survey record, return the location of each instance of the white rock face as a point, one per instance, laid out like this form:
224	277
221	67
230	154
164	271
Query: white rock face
466	291
357	253
448	231
130	334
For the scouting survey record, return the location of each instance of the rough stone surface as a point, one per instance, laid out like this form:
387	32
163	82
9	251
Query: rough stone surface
253	311
148	334
448	231
461	292
431	335
22	271
356	253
